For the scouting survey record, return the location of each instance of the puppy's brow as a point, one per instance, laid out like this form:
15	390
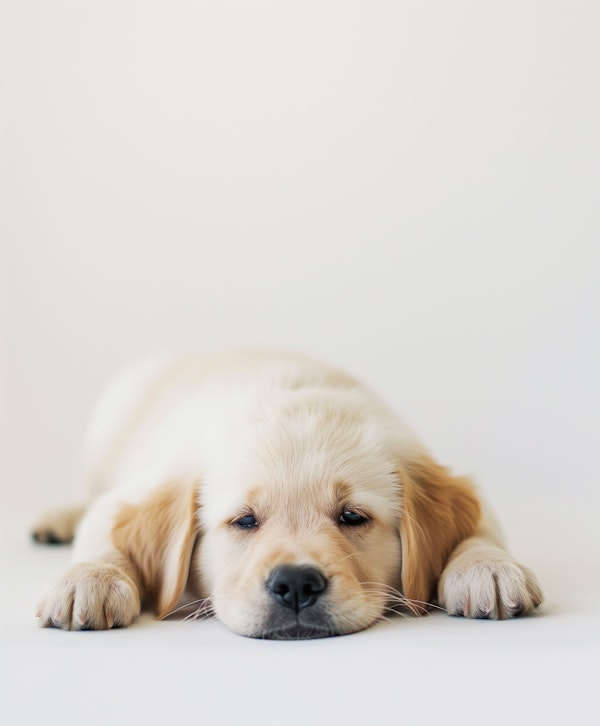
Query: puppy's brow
251	500
342	491
252	495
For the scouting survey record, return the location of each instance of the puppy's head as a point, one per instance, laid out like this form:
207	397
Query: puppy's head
314	517
317	522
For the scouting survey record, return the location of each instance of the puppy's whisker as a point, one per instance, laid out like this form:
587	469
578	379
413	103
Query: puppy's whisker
415	523
417	607
181	607
395	598
393	611
345	557
205	610
396	604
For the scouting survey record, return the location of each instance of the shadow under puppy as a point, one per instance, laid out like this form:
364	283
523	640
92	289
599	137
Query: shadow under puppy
283	495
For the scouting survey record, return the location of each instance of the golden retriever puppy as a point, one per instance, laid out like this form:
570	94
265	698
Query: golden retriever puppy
283	495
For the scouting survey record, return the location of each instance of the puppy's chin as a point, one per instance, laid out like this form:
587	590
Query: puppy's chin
296	632
283	624
294	628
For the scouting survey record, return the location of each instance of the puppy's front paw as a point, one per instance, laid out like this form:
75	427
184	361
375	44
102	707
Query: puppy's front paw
90	596
486	582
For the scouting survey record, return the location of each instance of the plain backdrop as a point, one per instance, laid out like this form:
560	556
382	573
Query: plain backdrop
410	190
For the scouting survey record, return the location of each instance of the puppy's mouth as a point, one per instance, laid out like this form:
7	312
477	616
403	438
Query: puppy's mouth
283	624
297	632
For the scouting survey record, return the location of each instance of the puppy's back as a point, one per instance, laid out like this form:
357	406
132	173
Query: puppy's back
172	402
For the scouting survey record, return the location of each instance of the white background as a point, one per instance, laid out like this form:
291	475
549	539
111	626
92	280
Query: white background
407	189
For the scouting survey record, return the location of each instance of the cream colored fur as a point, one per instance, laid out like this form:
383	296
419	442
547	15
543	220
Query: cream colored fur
181	449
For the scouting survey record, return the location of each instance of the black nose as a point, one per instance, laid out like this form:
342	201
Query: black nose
296	586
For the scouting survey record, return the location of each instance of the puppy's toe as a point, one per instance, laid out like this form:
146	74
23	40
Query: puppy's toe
57	526
90	597
488	584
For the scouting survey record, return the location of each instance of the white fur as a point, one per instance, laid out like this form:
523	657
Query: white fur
293	429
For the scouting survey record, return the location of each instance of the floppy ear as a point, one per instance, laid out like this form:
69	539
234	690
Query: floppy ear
158	537
439	511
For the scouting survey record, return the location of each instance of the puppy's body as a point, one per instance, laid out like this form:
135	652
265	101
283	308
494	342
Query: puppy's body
282	492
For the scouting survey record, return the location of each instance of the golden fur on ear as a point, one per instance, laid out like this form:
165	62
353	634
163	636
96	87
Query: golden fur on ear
158	537
439	511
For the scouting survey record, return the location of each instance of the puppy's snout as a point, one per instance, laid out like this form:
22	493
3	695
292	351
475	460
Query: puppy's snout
296	586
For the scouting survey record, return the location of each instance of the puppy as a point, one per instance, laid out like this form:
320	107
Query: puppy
283	495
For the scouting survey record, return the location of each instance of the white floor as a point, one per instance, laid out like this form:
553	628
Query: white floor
433	670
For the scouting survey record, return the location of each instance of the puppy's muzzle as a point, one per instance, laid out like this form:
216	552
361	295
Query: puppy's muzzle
296	586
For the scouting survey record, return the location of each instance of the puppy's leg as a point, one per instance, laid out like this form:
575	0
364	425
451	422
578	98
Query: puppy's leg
57	526
481	580
103	588
123	553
